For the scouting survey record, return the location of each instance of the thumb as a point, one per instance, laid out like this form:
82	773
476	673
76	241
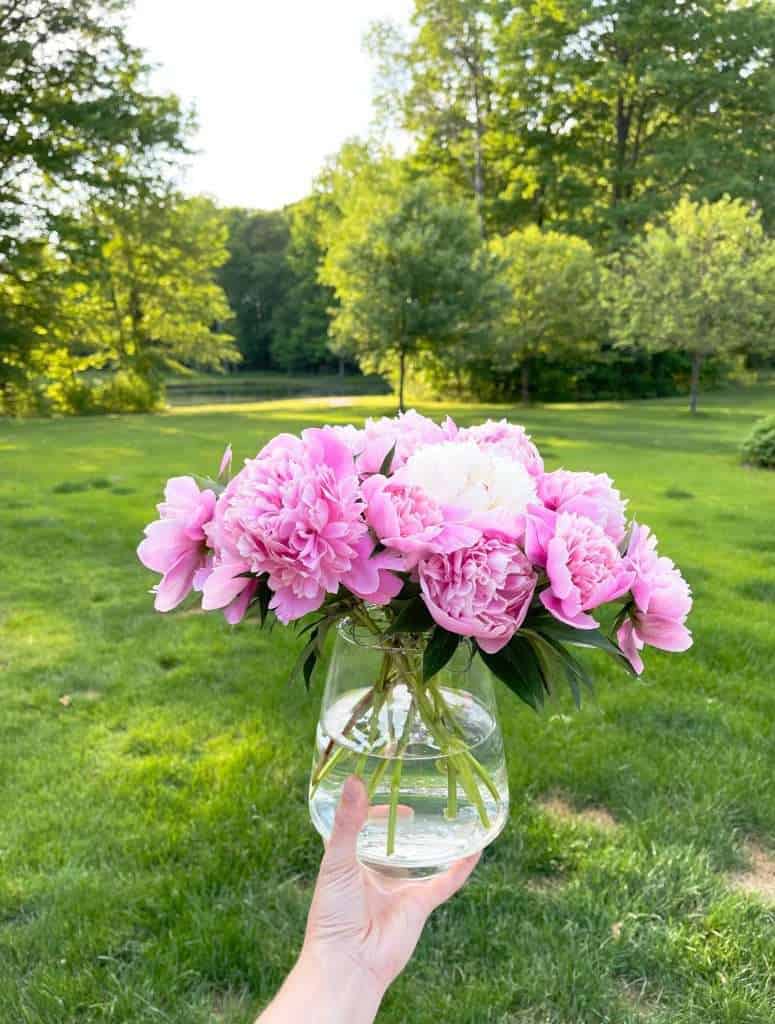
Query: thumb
350	817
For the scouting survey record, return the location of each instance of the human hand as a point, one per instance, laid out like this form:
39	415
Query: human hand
357	918
361	930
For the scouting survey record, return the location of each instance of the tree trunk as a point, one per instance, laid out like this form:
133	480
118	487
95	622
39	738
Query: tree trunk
524	377
341	367
623	121
697	358
401	374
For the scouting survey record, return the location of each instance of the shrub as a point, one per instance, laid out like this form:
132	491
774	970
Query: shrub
759	446
77	394
126	391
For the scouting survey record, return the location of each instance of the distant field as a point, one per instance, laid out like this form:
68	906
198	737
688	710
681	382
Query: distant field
156	857
250	387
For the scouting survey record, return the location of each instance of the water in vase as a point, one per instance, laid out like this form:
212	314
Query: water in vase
429	833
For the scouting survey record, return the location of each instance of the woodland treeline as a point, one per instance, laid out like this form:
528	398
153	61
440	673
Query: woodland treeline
585	208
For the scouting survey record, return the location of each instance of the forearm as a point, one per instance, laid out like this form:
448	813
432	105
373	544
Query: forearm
315	991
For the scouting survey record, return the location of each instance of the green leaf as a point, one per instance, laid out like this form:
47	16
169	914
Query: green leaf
548	626
263	597
387	462
517	666
439	649
312	651
309	667
413	618
557	659
207	483
409	591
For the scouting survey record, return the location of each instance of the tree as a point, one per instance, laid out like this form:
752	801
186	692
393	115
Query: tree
256	278
609	108
410	276
143	279
300	324
554	311
76	117
440	86
701	284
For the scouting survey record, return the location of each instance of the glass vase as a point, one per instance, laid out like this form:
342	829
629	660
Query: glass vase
430	754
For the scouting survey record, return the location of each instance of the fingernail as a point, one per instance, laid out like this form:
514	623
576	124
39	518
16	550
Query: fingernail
350	791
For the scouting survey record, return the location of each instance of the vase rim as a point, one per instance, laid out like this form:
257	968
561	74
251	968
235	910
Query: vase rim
359	636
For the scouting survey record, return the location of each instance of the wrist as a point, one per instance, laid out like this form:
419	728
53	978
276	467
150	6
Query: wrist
346	989
326	989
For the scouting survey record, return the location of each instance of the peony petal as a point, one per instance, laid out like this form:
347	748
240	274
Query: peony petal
235	612
288	606
555	606
176	584
665	634
557	568
631	644
224	584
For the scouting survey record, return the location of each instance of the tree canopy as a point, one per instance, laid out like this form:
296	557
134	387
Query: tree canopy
553	282
410	276
702	284
78	118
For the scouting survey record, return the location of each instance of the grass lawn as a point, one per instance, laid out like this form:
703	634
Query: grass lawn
156	856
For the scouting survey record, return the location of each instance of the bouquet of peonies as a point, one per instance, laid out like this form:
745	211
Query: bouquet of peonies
430	534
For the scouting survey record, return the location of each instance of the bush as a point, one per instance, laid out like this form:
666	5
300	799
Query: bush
759	446
81	394
126	391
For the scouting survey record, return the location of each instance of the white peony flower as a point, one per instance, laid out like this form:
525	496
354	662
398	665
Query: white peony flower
462	474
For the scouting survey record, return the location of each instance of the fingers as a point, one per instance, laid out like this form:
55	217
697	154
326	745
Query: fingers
432	894
350	818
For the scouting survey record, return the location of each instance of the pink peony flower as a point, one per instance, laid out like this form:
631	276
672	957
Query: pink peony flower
295	513
174	545
582	563
482	591
506	439
587	494
223	580
661	598
408	431
405	519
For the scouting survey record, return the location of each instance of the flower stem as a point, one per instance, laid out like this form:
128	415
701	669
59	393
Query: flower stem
395	781
451	789
376	778
483	774
329	751
327	767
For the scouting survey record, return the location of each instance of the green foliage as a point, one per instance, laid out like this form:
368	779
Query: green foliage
440	86
607	108
553	281
149	271
700	284
438	651
759	446
410	277
128	288
122	391
256	279
301	324
79	118
585	116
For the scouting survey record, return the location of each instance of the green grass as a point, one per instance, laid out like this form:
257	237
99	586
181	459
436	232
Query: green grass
156	857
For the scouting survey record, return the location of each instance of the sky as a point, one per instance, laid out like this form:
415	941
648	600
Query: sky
278	86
